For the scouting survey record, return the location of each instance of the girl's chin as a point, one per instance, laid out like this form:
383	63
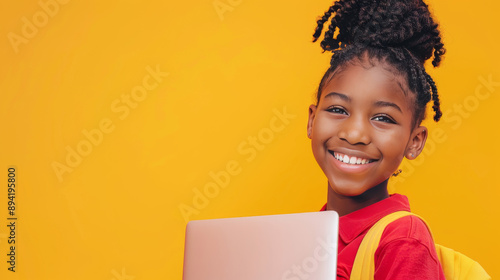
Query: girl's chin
348	190
354	189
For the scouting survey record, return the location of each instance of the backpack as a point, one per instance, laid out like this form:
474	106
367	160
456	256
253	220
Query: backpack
455	265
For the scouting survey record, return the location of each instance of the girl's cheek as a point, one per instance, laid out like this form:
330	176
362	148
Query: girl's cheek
321	128
327	122
393	138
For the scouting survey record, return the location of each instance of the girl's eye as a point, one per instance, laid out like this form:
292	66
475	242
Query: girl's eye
384	119
337	110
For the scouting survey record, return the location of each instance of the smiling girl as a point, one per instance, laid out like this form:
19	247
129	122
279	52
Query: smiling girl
367	118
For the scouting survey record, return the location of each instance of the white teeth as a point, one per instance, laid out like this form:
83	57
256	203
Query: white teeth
350	160
346	159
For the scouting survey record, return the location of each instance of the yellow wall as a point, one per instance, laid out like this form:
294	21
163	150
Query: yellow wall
171	92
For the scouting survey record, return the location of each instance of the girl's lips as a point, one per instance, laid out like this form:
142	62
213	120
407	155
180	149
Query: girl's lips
343	162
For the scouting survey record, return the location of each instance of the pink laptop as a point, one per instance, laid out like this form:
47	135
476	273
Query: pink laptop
274	247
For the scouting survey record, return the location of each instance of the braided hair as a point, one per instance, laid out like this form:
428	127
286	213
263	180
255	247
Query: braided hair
401	33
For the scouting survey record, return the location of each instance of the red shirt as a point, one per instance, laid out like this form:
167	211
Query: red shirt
406	249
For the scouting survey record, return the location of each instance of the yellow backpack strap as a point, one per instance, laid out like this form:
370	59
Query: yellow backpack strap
455	265
364	263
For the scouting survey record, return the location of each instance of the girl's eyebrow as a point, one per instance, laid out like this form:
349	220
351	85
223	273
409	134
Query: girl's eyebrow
377	103
387	104
340	95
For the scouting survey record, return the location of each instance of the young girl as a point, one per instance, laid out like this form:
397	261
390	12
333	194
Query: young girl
370	104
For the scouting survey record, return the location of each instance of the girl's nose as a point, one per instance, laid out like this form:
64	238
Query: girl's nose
355	130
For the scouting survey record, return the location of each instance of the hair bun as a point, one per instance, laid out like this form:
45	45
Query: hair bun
383	24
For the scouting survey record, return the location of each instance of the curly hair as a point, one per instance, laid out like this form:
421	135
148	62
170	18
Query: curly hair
401	33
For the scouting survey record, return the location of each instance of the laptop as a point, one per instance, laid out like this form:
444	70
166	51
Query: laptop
273	247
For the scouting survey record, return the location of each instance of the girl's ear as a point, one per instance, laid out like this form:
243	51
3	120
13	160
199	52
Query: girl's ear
416	143
312	114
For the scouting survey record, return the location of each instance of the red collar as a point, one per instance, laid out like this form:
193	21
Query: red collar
354	224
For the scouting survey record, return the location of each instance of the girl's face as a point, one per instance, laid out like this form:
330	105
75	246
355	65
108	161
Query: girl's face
362	128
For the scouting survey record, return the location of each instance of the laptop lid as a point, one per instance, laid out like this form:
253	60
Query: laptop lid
275	247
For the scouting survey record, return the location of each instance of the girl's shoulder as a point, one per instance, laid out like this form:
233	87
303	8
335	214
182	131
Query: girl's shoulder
410	226
407	251
408	233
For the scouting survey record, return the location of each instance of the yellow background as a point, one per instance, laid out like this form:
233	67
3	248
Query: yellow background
116	214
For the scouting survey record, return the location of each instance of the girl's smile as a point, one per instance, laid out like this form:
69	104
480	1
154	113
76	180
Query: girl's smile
362	128
351	159
351	164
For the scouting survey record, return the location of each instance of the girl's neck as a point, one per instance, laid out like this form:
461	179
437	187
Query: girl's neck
348	204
